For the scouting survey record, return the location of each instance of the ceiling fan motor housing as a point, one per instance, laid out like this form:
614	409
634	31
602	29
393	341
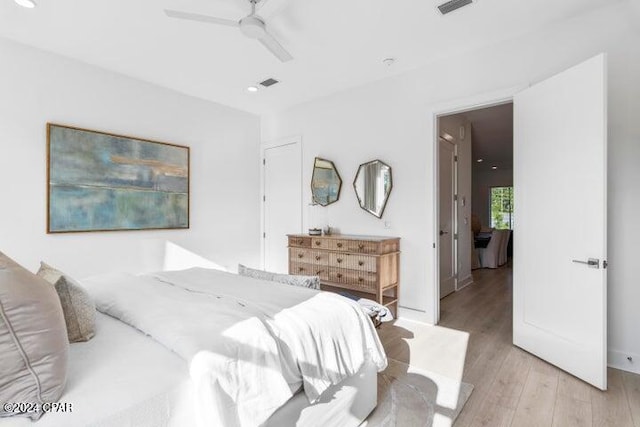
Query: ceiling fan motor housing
252	27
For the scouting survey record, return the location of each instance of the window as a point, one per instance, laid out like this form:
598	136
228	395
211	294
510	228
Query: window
502	207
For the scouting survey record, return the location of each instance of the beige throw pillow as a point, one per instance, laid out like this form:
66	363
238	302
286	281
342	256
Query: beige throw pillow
78	307
33	341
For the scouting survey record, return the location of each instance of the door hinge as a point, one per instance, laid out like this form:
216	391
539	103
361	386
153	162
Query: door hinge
455	197
264	198
455	236
264	162
455	158
605	264
264	235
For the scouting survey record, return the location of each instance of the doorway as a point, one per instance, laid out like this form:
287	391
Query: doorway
281	200
475	156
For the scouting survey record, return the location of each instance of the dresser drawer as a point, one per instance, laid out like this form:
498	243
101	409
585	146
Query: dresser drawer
308	256
355	279
319	243
299	241
362	246
353	262
338	245
302	269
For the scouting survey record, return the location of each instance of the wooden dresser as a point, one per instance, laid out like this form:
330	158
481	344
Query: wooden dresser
366	266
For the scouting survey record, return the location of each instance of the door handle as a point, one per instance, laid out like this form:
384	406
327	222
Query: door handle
443	232
591	262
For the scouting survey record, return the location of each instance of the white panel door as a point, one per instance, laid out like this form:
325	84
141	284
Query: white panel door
447	218
282	203
560	145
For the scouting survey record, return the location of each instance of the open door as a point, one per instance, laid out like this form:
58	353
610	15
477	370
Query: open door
282	203
560	183
447	171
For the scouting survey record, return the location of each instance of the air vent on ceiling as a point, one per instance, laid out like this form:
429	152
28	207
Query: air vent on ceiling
269	82
452	5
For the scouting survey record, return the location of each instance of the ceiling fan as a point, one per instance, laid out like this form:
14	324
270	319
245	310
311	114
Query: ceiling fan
251	26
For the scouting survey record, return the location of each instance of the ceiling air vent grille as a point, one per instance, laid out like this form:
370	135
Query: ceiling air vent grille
269	82
452	5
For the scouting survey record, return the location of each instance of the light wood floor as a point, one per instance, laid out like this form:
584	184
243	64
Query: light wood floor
513	387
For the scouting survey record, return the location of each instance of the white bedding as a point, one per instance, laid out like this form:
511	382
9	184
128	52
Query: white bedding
121	378
249	343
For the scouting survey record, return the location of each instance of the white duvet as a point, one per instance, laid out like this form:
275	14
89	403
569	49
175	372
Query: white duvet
250	343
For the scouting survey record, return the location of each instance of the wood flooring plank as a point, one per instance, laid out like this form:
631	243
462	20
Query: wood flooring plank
510	379
538	399
611	408
632	389
570	412
493	415
573	388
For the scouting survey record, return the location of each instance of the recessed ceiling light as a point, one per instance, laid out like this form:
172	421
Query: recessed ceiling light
252	89
480	160
29	4
389	61
494	167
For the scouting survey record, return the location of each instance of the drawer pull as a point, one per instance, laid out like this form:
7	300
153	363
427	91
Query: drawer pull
318	272
339	275
318	242
300	268
339	260
360	263
360	279
318	257
360	246
300	255
300	241
339	245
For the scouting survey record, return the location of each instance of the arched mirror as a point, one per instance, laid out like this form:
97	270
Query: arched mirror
373	185
325	182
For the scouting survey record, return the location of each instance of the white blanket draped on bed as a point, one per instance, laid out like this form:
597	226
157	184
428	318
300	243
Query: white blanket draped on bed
250	343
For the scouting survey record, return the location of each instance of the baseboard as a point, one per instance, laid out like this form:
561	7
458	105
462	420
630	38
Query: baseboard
619	360
464	282
414	315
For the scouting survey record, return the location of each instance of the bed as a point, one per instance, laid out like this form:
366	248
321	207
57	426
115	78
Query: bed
141	367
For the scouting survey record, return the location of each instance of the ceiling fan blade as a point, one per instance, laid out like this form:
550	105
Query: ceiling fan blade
274	47
200	18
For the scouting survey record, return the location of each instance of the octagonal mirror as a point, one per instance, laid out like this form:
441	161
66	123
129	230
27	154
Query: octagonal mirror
373	185
325	182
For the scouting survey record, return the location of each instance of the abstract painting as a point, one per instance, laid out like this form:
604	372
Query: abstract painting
101	182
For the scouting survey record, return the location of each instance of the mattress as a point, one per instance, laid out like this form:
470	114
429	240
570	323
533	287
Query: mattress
124	378
120	378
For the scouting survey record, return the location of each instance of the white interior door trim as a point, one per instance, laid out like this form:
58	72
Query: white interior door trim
265	145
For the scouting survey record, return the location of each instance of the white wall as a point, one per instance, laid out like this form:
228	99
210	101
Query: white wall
482	183
38	87
393	120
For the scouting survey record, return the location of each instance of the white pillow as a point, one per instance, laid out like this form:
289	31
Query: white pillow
312	282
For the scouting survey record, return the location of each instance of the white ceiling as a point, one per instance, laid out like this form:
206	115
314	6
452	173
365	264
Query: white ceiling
492	137
336	43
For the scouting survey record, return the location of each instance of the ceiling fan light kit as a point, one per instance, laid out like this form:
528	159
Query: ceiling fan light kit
252	26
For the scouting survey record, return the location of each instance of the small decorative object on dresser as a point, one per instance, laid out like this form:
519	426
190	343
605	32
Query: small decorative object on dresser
366	265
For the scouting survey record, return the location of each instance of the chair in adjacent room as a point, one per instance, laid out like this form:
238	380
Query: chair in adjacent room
503	256
490	256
